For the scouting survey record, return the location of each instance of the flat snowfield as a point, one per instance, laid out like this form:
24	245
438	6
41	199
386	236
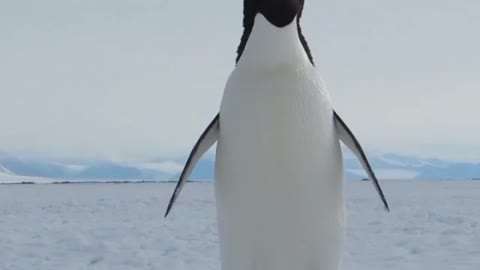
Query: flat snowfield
432	225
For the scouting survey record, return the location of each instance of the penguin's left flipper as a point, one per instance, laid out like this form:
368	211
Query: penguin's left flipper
347	137
206	140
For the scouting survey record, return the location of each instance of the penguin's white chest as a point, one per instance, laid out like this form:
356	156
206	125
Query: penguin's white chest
279	173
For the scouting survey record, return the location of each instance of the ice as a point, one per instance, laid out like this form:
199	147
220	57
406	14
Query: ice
433	225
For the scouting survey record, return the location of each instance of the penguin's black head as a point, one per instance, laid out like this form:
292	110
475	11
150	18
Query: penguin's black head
278	12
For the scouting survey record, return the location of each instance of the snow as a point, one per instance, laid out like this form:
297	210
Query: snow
8	177
170	167
4	170
433	225
387	173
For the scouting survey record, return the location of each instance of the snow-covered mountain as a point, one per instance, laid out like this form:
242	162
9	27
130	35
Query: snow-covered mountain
67	170
386	166
4	170
398	166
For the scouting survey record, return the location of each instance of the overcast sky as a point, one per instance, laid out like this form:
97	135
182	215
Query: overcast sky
129	80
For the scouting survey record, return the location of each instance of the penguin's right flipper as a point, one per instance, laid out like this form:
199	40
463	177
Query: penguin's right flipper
347	137
206	140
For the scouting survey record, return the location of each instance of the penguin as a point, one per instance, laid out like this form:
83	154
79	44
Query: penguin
279	178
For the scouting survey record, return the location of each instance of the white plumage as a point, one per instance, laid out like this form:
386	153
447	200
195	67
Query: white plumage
279	171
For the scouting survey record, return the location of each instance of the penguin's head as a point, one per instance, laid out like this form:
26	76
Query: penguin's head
279	13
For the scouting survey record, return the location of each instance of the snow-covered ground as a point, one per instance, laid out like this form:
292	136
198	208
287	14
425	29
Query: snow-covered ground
433	225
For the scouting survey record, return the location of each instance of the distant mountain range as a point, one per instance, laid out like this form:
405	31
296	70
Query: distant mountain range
387	166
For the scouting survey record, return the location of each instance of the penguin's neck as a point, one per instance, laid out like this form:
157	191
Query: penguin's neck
271	47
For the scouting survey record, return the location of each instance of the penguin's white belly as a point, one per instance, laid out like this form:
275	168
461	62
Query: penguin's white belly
279	174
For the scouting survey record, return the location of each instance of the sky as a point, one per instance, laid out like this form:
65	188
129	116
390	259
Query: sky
140	80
